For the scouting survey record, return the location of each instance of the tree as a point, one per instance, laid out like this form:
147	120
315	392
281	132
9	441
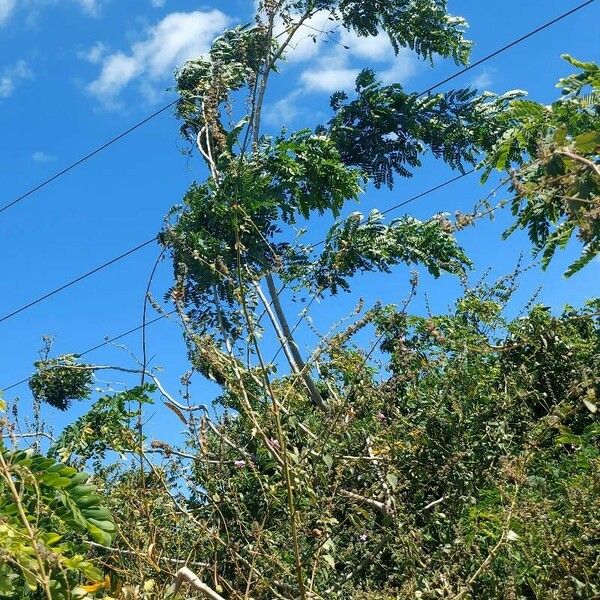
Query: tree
552	156
409	466
226	237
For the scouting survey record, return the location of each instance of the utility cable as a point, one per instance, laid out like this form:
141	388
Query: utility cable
77	280
137	125
106	342
508	46
87	157
158	112
141	327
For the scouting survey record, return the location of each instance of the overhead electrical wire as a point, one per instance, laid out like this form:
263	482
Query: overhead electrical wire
76	280
106	342
158	112
107	144
508	46
87	157
155	114
165	315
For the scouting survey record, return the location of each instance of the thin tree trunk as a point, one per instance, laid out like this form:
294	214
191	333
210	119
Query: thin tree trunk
315	395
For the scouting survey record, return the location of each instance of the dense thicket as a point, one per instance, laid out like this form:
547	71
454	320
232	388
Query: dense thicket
441	456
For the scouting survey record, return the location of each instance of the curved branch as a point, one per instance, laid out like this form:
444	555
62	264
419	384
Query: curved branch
581	159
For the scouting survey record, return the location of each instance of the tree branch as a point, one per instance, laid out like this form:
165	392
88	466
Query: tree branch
581	159
185	575
315	395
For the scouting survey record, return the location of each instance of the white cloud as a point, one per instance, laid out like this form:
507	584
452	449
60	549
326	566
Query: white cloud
10	78
403	67
42	157
6	9
371	47
483	81
94	54
329	74
117	71
310	38
91	7
284	111
177	38
335	60
337	70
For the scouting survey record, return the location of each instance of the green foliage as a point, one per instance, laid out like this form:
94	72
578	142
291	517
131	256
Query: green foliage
360	245
58	381
106	426
385	130
440	456
552	155
204	84
47	511
306	171
421	25
475	442
287	178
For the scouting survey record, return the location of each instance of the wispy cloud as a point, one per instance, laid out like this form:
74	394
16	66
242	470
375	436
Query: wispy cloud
329	73
33	9
336	63
42	157
338	71
285	110
333	63
177	38
6	9
95	54
12	76
92	7
483	80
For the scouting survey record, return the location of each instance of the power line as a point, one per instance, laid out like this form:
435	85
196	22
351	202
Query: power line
140	327
508	46
77	280
87	157
158	112
137	125
150	241
418	196
106	342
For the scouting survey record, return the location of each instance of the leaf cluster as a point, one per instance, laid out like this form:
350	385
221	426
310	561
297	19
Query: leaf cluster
357	244
59	381
106	426
424	26
552	156
48	510
385	131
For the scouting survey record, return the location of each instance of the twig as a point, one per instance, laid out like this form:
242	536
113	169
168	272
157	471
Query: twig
584	161
376	504
432	504
184	575
166	559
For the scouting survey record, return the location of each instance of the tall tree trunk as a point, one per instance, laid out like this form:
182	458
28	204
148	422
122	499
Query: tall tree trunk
315	395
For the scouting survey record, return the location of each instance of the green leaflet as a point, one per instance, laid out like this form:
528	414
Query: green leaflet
60	505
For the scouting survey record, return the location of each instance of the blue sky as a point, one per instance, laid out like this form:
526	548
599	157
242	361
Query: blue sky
75	72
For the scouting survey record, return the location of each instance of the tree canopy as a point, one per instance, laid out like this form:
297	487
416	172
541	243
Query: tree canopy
406	455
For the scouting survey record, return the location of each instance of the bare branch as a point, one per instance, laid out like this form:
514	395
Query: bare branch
185	575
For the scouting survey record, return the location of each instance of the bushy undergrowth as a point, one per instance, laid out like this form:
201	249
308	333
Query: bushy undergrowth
461	462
